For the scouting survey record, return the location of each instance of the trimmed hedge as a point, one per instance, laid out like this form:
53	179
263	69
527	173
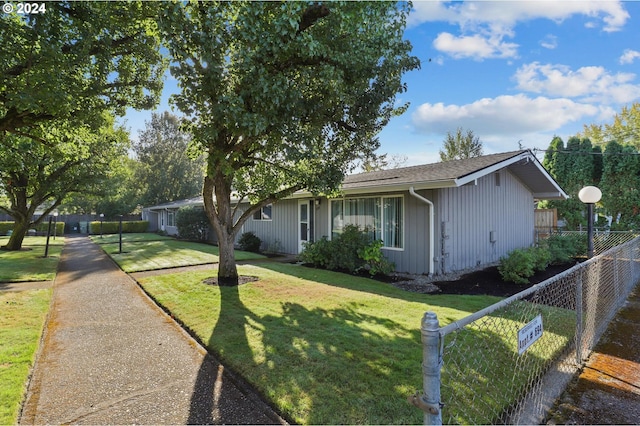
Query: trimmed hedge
128	227
5	227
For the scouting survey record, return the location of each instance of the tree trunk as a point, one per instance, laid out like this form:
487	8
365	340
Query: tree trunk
221	218
20	230
227	269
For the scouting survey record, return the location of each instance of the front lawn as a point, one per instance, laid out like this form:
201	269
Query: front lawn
142	253
29	264
22	315
323	347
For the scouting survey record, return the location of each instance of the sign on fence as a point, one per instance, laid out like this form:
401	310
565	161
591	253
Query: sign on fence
528	334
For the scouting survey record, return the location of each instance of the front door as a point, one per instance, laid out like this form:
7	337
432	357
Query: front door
305	223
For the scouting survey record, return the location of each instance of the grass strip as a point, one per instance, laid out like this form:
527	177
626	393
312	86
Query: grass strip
323	347
29	264
22	316
169	253
128	238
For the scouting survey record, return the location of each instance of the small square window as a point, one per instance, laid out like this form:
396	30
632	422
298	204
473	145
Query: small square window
264	213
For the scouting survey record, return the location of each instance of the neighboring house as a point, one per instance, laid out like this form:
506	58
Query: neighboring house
432	219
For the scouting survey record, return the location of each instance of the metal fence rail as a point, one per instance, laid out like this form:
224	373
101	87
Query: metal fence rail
507	363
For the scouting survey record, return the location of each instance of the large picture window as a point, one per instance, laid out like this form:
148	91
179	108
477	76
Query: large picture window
381	217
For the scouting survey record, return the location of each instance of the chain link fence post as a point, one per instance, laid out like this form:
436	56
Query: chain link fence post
431	365
579	318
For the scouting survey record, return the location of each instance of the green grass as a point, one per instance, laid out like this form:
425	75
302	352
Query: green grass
143	254
29	264
324	347
128	238
482	371
22	316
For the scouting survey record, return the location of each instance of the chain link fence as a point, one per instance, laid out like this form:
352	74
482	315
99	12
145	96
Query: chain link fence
509	362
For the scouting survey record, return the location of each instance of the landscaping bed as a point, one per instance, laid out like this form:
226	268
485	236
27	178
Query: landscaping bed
482	282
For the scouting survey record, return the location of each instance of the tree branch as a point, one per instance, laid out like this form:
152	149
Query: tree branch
311	15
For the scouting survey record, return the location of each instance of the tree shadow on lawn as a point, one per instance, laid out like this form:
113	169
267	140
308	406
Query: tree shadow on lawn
365	365
464	303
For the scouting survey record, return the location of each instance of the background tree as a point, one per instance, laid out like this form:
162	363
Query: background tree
461	146
166	172
625	128
573	166
120	193
382	162
33	172
620	184
282	96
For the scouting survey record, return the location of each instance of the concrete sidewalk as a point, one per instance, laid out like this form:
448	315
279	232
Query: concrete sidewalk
607	390
110	356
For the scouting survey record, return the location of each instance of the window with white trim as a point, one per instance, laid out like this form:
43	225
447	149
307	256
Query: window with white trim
264	213
171	218
381	217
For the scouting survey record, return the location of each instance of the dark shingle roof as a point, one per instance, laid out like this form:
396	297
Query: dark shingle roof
433	173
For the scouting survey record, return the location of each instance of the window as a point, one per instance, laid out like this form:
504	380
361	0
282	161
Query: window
264	213
171	218
381	217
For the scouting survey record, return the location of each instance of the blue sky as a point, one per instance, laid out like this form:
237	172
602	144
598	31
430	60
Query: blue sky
511	71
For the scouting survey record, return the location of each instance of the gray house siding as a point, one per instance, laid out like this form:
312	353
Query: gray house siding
480	223
281	231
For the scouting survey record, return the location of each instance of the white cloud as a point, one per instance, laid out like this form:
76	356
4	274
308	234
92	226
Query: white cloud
504	116
549	42
611	14
590	84
628	56
476	46
484	25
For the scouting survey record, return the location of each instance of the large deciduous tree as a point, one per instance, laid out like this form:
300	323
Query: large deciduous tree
63	74
52	164
282	96
460	146
166	172
76	60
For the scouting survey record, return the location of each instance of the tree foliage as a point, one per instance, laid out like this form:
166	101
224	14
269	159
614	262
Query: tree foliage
461	146
33	173
64	74
77	60
283	96
377	162
625	128
620	184
166	172
573	166
616	171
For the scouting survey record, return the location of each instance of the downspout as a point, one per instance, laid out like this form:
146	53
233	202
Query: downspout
431	227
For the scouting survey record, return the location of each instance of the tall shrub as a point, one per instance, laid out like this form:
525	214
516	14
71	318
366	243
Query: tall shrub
192	223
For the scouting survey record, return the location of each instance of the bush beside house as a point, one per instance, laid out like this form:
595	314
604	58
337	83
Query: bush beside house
353	251
192	223
520	264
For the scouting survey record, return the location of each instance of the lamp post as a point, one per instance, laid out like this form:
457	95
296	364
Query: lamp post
590	195
101	219
55	225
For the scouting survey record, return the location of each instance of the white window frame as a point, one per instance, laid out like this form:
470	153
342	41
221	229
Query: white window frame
382	219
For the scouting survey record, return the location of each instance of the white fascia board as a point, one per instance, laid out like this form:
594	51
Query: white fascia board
488	170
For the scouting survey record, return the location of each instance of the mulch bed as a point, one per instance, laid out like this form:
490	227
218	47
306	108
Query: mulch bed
242	279
489	282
